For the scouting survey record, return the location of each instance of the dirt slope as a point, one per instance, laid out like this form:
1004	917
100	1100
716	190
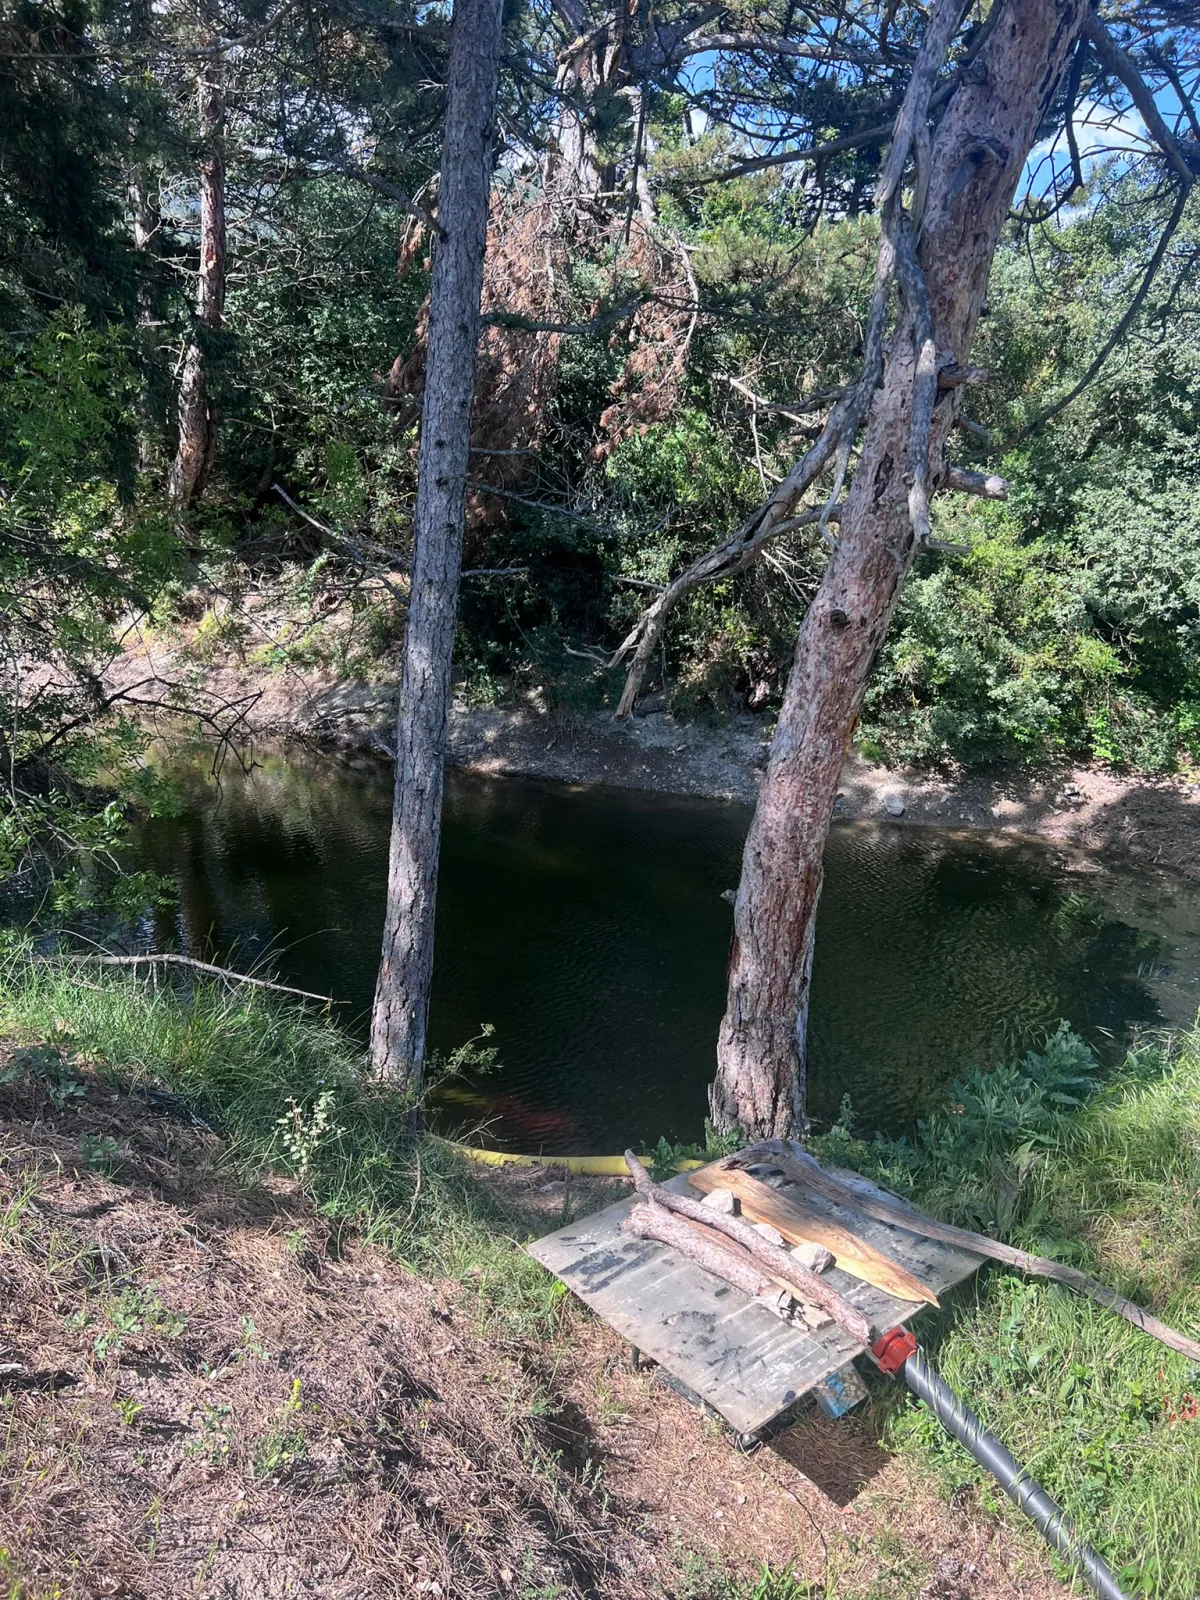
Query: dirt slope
204	1394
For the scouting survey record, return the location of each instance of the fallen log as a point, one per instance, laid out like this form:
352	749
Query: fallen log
768	1260
797	1165
798	1223
716	1255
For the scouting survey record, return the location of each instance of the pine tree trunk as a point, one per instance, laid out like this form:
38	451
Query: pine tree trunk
979	152
398	1023
197	417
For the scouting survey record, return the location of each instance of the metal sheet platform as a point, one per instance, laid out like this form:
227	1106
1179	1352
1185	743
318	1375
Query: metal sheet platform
731	1352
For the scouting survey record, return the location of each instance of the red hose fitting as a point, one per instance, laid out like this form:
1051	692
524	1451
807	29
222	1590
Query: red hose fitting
893	1349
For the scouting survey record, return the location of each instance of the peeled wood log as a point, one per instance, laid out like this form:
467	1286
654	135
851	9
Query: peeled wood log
784	1269
800	1167
800	1224
652	1221
720	1257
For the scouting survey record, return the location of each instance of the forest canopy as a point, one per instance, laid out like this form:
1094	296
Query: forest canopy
216	230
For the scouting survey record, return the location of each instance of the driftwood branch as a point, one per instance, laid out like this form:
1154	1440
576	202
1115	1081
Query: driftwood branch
796	1164
170	960
782	1268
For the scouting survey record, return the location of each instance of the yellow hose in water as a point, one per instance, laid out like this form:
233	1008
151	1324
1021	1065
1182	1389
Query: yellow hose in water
590	1166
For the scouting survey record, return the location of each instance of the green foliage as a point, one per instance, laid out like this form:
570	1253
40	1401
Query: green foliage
49	1066
1103	1169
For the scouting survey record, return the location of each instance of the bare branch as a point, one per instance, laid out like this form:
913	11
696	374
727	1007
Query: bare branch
375	568
372	180
171	960
1124	68
520	324
1121	329
837	437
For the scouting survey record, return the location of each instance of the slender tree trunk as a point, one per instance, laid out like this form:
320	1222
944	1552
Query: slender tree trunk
978	154
398	1023
197	417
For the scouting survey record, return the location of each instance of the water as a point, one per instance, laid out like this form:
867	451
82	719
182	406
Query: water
588	926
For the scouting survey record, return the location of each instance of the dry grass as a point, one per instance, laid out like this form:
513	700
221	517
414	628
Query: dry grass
204	1395
208	1399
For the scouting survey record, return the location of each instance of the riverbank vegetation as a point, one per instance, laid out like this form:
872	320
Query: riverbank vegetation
823	328
1052	1152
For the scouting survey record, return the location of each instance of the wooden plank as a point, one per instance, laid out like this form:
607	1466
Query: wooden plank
725	1348
800	1223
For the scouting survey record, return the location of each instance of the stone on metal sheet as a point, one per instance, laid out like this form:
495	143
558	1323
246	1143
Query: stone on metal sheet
813	1256
721	1200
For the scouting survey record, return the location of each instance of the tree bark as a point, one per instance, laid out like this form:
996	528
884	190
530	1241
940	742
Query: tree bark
399	1019
978	153
197	445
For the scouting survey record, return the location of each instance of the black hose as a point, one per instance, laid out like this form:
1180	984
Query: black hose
1025	1492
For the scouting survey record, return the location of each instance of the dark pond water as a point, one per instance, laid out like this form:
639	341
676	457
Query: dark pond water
588	926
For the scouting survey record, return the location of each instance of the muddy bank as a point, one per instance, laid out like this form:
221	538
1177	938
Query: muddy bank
1152	819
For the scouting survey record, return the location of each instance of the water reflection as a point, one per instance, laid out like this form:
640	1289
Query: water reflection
589	927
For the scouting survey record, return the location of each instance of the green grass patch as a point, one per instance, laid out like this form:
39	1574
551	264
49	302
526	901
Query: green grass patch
1102	1170
290	1091
1054	1154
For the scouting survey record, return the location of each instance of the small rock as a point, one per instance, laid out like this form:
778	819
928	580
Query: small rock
721	1200
770	1234
813	1256
893	805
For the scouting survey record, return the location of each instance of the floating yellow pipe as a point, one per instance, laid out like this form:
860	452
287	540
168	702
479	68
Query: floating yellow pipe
589	1166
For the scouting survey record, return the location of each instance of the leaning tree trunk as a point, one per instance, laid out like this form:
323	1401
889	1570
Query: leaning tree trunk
978	154
398	1023
197	446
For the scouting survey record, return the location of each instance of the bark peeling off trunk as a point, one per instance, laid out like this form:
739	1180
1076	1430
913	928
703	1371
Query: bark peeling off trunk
197	446
398	1022
978	154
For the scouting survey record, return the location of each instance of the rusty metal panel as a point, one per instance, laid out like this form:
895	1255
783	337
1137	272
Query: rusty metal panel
730	1351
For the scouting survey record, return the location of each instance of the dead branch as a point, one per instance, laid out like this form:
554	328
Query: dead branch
374	568
802	1283
225	973
796	1164
1119	332
513	320
987	485
1125	69
836	439
391	191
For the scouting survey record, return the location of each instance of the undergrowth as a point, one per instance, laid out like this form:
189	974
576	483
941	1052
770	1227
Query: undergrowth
1102	1169
289	1090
